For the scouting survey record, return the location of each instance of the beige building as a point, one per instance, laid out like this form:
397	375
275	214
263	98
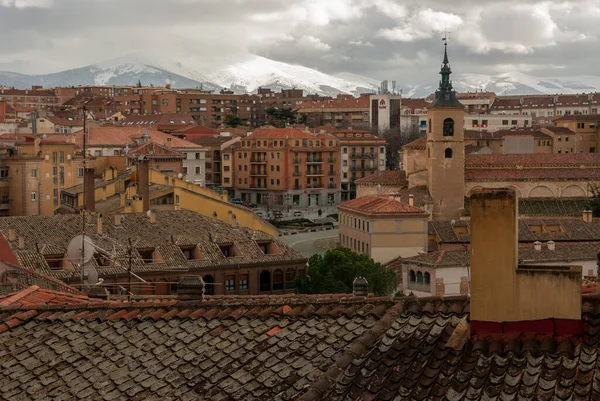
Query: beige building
382	228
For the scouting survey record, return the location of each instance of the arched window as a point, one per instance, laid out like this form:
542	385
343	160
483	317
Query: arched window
419	278
278	280
448	153
209	287
411	276
448	127
427	278
429	126
265	281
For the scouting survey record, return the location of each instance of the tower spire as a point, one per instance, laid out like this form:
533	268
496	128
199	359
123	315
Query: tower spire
445	95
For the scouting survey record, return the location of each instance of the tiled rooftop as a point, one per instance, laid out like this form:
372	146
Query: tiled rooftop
385	177
545	174
579	117
48	237
530	230
535	159
119	136
286	133
285	348
380	205
349	103
419	143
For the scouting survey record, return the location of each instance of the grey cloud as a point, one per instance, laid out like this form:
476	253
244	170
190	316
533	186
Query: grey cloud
73	33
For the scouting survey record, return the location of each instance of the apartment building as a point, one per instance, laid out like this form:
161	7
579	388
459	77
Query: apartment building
214	167
285	167
494	122
413	115
165	122
522	141
362	154
36	97
586	127
344	112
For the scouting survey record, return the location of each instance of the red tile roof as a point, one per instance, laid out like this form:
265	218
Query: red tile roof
35	296
496	174
500	134
560	130
384	205
535	159
416	144
158	119
579	117
385	177
154	150
119	136
286	133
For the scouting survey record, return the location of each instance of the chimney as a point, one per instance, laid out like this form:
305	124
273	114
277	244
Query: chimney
537	245
36	145
551	245
411	200
137	204
225	196
99	224
12	234
169	143
506	297
21	244
144	182
152	216
588	216
89	201
118	219
360	287
190	288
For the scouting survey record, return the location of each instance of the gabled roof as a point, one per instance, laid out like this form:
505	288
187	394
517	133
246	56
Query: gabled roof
154	150
579	117
374	205
419	143
35	296
287	133
534	159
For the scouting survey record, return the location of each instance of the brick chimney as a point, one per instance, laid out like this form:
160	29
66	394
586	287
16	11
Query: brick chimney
118	219
190	288
89	200
144	182
506	297
588	216
551	245
360	287
537	245
152	216
21	243
12	234
411	200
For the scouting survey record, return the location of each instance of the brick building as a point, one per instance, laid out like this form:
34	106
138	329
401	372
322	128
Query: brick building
286	167
344	112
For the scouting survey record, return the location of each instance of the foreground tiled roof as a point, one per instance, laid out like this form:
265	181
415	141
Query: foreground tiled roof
48	237
419	143
534	159
14	278
541	174
385	177
285	348
120	136
380	205
546	207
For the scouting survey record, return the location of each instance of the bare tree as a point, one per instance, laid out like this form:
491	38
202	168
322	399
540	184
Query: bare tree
396	138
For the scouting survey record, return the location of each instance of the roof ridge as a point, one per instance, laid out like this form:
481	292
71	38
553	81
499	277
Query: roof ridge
19	295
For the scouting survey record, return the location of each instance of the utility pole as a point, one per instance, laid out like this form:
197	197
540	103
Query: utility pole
129	256
85	201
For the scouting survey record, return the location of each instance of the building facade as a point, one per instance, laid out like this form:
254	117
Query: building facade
384	112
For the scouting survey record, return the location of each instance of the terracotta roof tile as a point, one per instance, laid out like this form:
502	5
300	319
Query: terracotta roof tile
346	103
120	136
419	143
380	205
385	177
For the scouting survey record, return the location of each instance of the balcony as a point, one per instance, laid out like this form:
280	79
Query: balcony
314	172
331	160
331	172
258	173
258	160
332	186
296	174
311	160
296	161
314	186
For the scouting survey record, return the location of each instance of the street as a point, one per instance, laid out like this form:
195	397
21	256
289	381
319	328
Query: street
310	243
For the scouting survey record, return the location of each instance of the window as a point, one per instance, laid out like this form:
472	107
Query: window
226	180
504	122
116	153
243	281
382	150
226	157
230	282
448	127
430	125
427	278
147	255
226	168
34	173
80	172
448	153
419	278
197	169
97	153
272	167
412	276
345	150
514	122
278	280
197	156
61	157
290	278
55	157
33	196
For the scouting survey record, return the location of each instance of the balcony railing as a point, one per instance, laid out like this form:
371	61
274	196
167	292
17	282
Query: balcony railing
258	173
314	172
331	159
315	160
296	174
296	161
332	186
258	160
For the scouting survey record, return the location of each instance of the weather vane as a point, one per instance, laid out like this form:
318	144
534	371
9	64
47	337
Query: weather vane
445	38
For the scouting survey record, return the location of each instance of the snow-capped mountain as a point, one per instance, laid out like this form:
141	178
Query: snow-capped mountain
248	73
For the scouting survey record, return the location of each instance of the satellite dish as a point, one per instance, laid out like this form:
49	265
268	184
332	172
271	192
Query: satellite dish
90	275
453	222
44	136
180	176
149	213
74	251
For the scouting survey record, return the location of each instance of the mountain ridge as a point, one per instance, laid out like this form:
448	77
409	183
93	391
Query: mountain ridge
247	75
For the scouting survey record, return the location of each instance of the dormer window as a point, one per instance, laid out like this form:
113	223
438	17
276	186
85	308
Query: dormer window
102	259
55	262
268	247
191	252
228	250
147	255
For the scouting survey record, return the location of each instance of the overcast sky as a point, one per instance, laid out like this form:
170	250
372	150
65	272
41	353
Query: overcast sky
382	39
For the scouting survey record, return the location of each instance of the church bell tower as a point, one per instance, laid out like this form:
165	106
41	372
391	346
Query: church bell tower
446	148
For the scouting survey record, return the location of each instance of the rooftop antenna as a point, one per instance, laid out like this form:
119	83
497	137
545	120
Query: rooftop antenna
85	200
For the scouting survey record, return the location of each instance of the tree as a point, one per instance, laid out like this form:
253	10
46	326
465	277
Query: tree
233	121
139	84
281	117
595	200
396	138
335	272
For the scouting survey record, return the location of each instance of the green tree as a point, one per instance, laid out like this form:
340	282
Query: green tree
334	273
281	117
233	121
139	84
594	200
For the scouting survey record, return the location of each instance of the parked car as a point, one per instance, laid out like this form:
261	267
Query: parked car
236	201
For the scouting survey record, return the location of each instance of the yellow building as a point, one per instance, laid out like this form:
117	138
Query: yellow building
382	228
